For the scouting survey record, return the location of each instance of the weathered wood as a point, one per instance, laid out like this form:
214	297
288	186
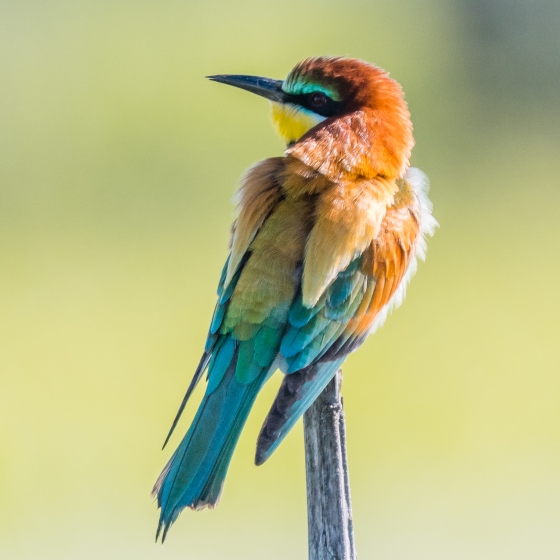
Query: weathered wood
329	509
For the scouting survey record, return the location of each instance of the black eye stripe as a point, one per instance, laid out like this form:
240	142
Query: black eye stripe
326	107
329	108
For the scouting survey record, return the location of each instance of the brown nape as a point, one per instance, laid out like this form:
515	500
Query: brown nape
373	135
359	83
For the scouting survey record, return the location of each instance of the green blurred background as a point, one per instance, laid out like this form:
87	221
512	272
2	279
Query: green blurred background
117	165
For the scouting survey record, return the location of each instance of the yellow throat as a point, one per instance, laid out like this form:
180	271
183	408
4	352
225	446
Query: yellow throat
292	122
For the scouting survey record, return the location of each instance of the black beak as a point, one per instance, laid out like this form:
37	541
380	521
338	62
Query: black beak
265	87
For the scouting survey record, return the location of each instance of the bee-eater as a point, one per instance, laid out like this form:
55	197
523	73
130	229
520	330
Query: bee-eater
325	242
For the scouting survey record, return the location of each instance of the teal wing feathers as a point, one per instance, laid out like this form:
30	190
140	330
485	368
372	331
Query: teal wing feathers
313	333
318	338
214	349
315	343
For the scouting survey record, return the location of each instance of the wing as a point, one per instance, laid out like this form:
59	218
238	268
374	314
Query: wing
319	337
258	281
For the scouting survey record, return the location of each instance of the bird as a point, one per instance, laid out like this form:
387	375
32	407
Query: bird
325	241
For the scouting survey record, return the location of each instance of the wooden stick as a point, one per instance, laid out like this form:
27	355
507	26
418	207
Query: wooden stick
329	510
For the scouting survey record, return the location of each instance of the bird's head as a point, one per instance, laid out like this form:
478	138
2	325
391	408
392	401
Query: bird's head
341	116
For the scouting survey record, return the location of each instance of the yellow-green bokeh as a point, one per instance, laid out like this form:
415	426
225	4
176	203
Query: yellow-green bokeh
117	165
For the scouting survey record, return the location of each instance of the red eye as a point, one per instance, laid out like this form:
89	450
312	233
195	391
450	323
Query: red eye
318	99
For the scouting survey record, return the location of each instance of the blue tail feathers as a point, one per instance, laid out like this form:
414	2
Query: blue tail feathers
194	475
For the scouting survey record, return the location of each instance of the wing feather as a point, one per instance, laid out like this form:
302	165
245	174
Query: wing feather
321	331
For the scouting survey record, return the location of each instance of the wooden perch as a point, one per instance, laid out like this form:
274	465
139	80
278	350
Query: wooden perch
329	509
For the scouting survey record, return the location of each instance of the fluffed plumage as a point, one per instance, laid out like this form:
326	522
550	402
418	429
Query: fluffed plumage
326	240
